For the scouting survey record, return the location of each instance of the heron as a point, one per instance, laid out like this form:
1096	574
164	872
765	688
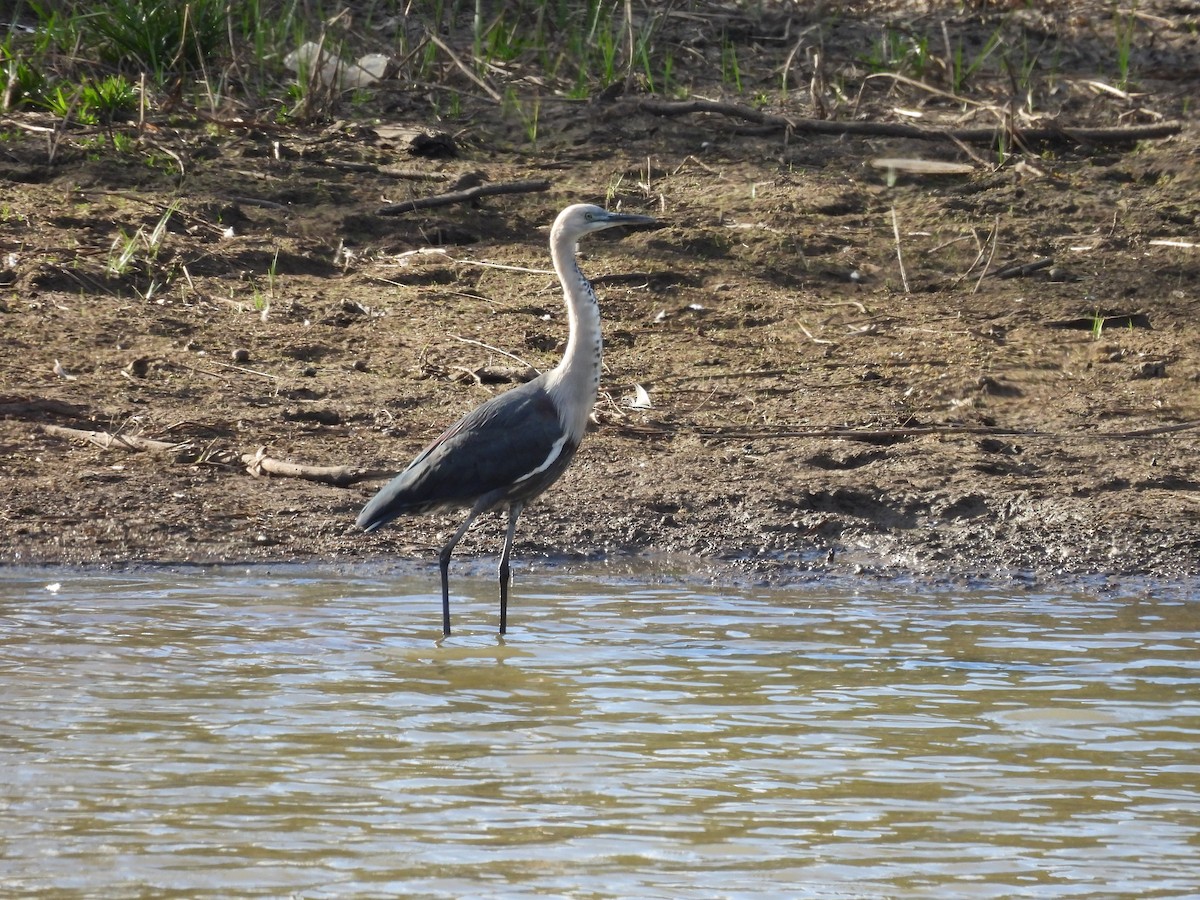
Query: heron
507	451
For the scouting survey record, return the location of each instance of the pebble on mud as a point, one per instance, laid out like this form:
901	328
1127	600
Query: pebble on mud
1150	368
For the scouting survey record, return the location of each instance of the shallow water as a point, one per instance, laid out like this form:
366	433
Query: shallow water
238	733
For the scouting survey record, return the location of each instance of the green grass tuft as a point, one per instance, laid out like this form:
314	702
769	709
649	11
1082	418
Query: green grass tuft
159	38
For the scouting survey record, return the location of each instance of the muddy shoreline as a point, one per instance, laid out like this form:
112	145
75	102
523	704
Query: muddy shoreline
818	406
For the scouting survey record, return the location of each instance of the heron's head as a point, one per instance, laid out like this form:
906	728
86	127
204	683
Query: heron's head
584	218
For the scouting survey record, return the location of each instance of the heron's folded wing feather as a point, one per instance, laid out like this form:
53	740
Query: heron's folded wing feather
508	440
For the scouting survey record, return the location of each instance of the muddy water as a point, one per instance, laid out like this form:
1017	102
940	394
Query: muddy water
305	734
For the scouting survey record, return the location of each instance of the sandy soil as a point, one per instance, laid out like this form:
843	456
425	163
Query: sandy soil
816	406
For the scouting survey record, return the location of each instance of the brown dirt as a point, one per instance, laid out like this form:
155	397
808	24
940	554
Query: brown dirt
991	421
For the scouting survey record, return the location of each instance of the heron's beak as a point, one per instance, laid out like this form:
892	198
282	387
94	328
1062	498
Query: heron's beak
615	218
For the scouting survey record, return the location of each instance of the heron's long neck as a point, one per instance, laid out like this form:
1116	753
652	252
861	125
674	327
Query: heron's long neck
575	381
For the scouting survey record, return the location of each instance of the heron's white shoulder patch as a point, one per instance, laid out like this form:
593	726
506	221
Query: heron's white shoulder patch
556	450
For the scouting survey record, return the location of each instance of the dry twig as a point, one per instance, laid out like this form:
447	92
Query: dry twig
463	196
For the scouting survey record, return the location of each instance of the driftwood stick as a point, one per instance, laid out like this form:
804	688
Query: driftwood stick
1054	134
463	196
257	463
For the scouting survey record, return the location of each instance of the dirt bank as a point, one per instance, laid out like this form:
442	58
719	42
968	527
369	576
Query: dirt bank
816	402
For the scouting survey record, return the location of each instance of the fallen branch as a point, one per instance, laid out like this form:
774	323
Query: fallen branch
895	434
22	407
464	196
1151	432
372	169
1021	270
107	441
257	463
858	434
1055	134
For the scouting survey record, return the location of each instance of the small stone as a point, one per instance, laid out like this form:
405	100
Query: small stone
1059	275
1150	368
139	367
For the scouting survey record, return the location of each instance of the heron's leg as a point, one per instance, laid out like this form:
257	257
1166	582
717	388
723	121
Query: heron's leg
505	573
444	565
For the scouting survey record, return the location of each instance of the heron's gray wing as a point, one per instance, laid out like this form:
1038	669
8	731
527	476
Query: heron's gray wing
509	447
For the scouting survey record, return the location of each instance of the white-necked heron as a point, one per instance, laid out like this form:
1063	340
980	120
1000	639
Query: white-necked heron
507	451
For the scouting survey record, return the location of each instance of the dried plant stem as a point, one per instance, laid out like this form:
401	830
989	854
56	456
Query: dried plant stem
899	254
464	68
991	253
